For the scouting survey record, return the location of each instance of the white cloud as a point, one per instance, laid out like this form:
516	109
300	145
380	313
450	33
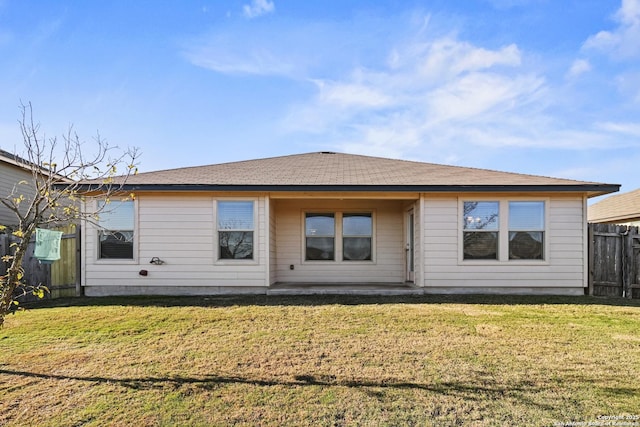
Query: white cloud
629	13
446	57
579	67
257	8
419	94
351	95
480	95
443	93
624	40
446	100
251	59
239	47
624	128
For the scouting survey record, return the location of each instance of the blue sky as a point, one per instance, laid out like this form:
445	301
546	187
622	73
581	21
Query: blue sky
546	87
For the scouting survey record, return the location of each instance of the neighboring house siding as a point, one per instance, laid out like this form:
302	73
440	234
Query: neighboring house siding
388	265
10	176
563	267
180	230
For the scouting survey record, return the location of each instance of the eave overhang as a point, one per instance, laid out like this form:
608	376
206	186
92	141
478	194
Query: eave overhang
592	190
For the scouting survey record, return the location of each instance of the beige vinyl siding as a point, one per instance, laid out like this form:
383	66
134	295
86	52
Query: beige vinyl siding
563	266
10	176
180	230
273	252
388	265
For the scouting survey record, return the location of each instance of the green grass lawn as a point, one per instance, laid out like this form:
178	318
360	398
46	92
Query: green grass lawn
321	361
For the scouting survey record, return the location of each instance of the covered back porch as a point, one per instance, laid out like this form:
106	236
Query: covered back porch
336	243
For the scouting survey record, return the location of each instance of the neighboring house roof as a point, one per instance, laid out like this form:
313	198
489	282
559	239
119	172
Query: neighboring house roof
13	159
13	171
620	207
328	171
27	165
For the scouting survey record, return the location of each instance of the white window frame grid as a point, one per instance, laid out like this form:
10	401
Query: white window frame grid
503	232
216	242
334	236
338	242
353	236
496	230
543	230
136	239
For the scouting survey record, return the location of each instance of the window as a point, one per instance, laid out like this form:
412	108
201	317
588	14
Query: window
320	236
116	230
504	230
357	231
481	225
235	229
526	230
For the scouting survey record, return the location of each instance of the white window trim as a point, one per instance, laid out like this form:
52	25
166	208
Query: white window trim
338	242
216	237
136	240
503	232
337	228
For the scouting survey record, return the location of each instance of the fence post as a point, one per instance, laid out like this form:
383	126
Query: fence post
79	290
4	250
591	257
627	263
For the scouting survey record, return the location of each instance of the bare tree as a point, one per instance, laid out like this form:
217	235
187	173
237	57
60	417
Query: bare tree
65	173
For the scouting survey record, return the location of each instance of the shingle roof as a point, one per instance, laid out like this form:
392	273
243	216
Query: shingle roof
22	163
620	207
13	159
335	171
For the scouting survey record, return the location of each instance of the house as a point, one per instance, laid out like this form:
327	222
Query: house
18	178
618	209
13	171
331	222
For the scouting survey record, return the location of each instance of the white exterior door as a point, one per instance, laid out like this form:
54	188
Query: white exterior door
409	245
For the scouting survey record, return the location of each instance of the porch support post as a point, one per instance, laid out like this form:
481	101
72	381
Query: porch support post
419	279
267	240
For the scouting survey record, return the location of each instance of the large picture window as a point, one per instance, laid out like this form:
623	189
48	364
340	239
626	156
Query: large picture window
526	230
320	232
235	229
115	230
504	230
481	230
357	231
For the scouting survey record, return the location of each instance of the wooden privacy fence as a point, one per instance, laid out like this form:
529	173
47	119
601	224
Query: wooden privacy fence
614	260
61	277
